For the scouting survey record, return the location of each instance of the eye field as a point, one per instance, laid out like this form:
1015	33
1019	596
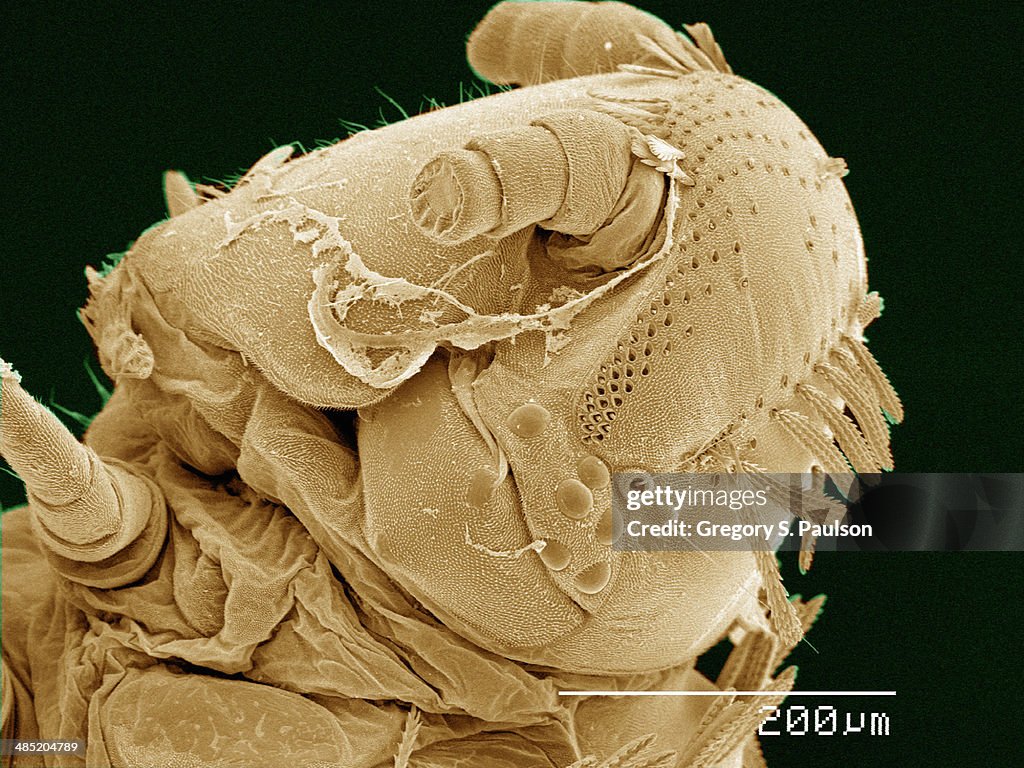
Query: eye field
634	260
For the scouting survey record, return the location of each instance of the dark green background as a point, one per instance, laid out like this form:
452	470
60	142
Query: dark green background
923	102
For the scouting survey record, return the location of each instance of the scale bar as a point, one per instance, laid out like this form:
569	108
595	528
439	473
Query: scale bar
727	693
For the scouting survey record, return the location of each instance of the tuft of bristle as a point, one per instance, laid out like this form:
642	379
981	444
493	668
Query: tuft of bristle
887	396
750	663
702	35
645	114
846	433
860	397
817	443
718	705
676	60
717	737
681	54
736	724
868	393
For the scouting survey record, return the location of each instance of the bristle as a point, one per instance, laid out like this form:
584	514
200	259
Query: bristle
653	107
806	557
632	116
750	663
809	610
807	613
849	438
819	444
783	619
630	750
874	420
832	168
209	191
640	753
409	735
637	69
813	504
718	705
662	55
695	52
864	406
702	35
740	721
887	396
712	741
870	309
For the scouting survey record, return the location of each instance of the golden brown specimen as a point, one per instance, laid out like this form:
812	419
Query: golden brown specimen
349	503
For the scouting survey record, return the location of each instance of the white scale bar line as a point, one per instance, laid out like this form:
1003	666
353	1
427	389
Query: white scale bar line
727	693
